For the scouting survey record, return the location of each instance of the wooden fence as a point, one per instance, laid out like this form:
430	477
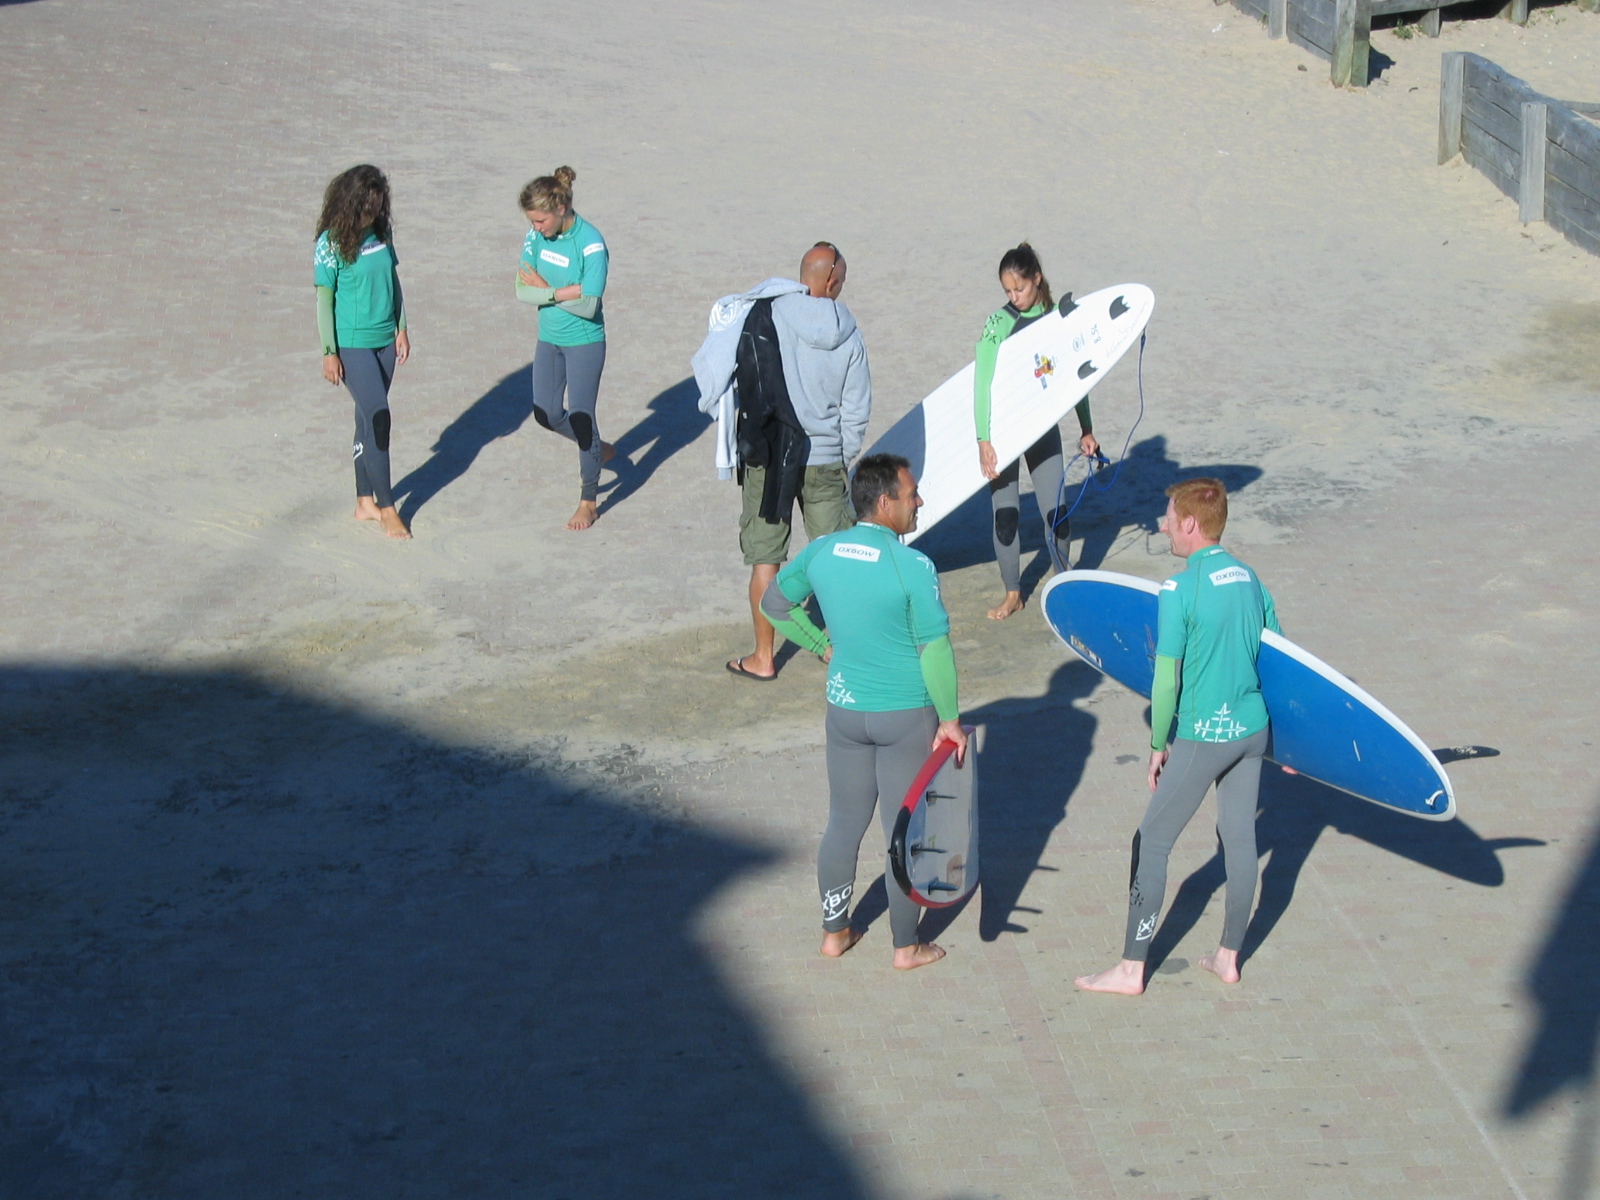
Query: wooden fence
1341	30
1337	30
1541	152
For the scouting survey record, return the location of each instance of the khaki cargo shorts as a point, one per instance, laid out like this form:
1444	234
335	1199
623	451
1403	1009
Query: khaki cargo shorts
824	507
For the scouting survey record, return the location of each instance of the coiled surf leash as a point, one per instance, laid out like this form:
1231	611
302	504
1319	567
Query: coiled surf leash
1098	463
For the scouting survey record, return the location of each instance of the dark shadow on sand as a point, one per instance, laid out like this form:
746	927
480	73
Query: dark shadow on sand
498	413
675	421
1564	985
1136	498
260	945
1294	811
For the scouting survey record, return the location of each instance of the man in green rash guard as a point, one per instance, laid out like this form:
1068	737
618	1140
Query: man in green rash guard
891	683
1209	624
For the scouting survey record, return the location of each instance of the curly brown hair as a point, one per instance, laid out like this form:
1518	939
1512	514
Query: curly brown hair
355	200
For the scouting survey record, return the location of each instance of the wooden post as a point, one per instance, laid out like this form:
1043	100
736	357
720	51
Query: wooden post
1452	81
1516	11
1430	22
1352	42
1277	18
1530	189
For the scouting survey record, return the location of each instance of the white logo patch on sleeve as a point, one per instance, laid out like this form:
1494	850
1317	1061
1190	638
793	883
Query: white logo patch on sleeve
1170	585
1230	575
594	248
855	550
550	256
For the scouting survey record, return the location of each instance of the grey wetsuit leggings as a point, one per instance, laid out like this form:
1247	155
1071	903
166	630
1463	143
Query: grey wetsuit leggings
367	374
1235	767
872	759
574	370
1044	468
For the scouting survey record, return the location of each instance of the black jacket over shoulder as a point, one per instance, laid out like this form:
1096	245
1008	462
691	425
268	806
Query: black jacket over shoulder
769	432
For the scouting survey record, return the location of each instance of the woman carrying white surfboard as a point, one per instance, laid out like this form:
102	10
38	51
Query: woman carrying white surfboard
1027	299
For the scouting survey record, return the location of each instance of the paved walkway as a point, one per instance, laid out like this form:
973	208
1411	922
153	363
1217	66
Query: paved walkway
333	867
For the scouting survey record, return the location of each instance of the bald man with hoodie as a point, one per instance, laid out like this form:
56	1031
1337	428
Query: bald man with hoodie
830	388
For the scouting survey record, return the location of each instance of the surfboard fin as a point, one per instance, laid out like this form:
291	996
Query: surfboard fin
1067	305
1087	369
1118	307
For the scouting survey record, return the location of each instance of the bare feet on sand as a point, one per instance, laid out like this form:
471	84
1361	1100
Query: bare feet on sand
909	958
835	944
585	516
368	510
1124	979
1224	964
1011	605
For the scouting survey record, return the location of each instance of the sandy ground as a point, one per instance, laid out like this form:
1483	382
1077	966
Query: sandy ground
330	866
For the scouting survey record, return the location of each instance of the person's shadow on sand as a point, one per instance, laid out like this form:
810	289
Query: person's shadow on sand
1564	984
1135	497
675	421
497	413
1292	815
1032	759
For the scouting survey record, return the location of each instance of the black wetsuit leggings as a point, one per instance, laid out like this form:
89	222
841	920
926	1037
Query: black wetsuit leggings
574	370
367	374
1235	767
1044	468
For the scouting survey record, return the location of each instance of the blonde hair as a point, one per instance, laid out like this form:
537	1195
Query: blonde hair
549	193
1206	500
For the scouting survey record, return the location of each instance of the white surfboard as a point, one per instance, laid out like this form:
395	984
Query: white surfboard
1042	372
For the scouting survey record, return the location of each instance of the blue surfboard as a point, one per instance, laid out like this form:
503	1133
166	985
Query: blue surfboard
1323	725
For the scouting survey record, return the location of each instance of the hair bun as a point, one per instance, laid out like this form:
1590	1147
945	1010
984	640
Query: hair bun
565	176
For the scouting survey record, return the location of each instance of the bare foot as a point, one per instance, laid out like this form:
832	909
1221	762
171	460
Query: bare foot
749	666
1224	964
909	958
585	516
835	944
1010	605
367	509
392	524
607	453
1124	979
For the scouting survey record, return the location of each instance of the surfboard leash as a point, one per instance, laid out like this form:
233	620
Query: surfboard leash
1100	462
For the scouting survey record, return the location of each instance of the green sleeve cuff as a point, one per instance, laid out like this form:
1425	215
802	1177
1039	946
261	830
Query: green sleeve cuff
1163	701
800	630
534	295
988	353
1085	420
325	330
939	676
583	306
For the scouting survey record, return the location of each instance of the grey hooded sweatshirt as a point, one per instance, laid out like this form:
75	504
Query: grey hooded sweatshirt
825	368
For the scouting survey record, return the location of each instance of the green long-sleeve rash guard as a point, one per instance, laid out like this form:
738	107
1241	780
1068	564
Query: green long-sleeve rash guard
325	323
998	329
1163	701
937	658
543	297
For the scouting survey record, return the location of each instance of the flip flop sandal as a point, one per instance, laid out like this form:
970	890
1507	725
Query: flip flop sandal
735	666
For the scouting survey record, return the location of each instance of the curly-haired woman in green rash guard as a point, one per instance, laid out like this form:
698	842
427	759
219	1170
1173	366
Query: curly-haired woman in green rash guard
1028	299
361	318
